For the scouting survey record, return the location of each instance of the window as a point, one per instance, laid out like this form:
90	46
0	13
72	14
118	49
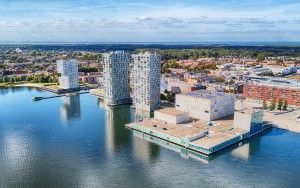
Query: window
206	111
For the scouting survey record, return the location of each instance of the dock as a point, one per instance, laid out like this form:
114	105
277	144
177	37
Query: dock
56	96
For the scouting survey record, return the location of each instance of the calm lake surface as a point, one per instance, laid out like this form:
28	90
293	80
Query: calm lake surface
76	142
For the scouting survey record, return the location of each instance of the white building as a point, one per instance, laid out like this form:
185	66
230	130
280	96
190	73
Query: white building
116	78
69	74
146	81
206	105
249	119
171	115
282	70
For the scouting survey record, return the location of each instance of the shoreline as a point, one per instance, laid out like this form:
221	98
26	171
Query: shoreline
26	84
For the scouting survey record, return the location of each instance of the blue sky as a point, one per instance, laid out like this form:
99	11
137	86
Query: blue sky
149	21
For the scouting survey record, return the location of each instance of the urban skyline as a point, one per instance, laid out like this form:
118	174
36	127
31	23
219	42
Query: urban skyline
139	93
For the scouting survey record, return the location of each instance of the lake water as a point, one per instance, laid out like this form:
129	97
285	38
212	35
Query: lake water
75	142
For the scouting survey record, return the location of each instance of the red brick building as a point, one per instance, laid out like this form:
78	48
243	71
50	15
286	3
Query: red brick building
260	91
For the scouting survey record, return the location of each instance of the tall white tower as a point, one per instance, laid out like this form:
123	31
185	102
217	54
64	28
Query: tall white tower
116	78
69	74
146	81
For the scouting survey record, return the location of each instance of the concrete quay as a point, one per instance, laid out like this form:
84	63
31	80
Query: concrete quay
288	120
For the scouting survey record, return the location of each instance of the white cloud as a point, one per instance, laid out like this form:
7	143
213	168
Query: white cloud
143	22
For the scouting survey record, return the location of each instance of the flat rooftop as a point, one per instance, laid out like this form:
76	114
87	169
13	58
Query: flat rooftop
279	82
215	139
218	131
248	110
171	111
206	94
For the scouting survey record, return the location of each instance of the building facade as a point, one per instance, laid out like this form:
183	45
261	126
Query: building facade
206	105
146	81
116	78
268	91
69	78
249	120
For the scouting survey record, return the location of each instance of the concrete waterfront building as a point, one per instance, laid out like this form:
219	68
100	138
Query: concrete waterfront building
171	115
69	78
146	81
206	105
249	119
116	78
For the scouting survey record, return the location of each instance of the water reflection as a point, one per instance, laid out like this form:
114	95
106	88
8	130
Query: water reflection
246	149
139	115
185	153
100	102
70	108
115	132
143	150
38	152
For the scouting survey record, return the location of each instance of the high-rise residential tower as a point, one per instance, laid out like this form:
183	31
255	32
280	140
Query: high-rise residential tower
116	78
69	74
146	81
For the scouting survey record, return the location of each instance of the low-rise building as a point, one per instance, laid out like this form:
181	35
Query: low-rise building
193	75
281	70
181	87
273	89
171	115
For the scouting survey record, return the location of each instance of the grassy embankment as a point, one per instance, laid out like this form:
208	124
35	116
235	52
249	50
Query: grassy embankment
26	84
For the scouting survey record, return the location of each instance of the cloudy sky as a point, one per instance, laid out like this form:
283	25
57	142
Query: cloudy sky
149	21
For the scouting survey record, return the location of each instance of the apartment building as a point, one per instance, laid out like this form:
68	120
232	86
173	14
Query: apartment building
269	89
116	78
146	81
69	74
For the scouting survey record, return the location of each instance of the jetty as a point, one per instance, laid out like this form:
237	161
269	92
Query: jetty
56	96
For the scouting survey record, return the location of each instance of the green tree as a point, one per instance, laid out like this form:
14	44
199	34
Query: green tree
265	104
273	104
12	79
162	97
285	105
5	79
231	82
29	78
220	80
279	104
41	79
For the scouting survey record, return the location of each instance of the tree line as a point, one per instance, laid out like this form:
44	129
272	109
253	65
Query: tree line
38	78
193	54
204	67
279	105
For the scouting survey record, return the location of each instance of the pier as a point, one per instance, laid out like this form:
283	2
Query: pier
56	96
